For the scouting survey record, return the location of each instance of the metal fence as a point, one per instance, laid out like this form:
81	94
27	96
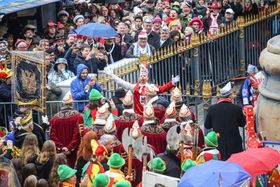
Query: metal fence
216	58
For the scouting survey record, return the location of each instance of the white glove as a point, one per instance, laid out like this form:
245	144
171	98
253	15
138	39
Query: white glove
45	119
108	71
175	80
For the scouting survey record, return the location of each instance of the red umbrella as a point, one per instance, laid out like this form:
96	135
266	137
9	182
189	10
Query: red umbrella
257	161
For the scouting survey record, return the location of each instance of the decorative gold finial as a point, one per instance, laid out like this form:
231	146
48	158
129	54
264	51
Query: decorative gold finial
218	91
241	22
188	90
196	87
144	59
195	40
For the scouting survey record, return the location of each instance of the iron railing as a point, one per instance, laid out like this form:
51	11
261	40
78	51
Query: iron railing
216	58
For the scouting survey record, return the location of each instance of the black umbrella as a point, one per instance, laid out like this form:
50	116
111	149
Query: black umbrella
108	1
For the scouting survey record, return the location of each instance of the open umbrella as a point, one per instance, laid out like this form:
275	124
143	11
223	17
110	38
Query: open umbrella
257	161
214	173
96	30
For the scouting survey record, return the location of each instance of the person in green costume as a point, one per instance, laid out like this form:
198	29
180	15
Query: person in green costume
95	102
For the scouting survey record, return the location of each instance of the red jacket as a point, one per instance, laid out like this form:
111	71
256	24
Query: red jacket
65	131
139	95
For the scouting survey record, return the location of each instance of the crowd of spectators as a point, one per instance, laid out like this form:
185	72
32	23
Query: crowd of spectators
143	26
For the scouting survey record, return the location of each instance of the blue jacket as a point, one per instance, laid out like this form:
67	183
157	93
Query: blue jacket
247	92
78	85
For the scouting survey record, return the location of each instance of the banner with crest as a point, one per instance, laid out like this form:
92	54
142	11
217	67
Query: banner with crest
29	79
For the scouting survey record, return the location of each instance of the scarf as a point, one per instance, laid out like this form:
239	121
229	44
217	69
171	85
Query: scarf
224	99
213	24
137	50
110	54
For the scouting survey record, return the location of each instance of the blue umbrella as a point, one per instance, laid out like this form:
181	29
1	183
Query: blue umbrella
214	174
96	30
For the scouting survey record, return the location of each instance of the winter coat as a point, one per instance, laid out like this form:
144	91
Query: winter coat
225	118
130	51
78	87
237	8
93	64
43	169
166	43
116	53
5	96
173	164
207	21
59	76
70	57
5	92
119	104
81	162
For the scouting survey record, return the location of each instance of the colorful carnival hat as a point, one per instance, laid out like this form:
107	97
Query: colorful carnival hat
101	180
157	19
185	112
76	18
211	139
164	28
142	35
215	5
135	130
128	99
159	166
110	126
67	99
122	183
26	119
116	161
175	23
151	90
171	110
143	70
196	19
252	69
95	95
176	95
226	90
149	112
65	172
5	73
102	114
98	149
188	164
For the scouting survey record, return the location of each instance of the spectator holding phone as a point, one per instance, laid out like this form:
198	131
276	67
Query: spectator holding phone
82	85
86	57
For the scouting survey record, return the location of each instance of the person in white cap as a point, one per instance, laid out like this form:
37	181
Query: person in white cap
140	47
65	127
79	20
229	16
140	87
225	118
63	17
